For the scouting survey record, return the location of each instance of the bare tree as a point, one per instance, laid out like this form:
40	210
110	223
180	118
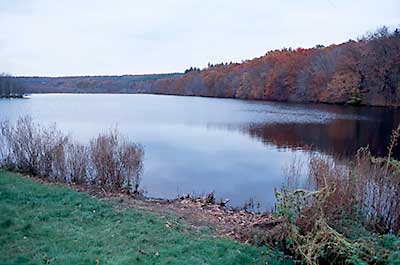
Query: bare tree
10	87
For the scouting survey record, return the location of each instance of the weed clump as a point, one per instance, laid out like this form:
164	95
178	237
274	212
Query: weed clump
347	213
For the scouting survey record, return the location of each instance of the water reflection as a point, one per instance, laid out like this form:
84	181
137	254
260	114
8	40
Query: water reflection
196	145
336	138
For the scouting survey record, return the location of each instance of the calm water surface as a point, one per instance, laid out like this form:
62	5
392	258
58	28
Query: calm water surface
236	148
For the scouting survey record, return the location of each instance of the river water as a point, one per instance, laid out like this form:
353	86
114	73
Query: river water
236	148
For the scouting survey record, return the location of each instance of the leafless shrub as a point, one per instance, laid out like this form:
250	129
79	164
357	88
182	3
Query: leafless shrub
117	163
77	161
5	148
130	156
52	154
59	163
25	142
109	161
32	149
102	155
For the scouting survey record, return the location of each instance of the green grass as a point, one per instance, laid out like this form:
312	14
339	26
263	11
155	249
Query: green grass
51	224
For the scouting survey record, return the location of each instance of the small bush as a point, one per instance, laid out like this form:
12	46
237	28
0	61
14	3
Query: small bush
117	164
109	161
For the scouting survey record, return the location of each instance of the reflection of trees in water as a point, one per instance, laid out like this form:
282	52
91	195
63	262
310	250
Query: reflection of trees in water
332	129
338	137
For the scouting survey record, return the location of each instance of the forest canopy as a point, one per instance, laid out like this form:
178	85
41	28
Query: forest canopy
365	72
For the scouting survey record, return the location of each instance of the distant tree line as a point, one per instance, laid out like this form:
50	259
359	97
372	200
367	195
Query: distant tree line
87	84
10	87
191	69
362	72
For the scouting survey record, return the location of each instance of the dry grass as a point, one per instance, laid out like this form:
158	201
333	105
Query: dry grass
340	204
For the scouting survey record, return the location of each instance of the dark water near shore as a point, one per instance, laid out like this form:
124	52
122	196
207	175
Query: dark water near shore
236	148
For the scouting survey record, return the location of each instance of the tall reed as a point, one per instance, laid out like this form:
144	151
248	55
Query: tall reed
341	202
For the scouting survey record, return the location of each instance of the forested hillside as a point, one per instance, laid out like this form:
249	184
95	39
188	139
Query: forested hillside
365	72
87	84
362	72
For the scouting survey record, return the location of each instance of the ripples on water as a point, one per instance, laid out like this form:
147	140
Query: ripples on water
236	148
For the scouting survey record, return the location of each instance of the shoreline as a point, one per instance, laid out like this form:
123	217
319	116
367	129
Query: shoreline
344	104
238	224
45	223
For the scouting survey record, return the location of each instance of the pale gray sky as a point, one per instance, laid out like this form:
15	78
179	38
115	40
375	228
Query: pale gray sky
71	37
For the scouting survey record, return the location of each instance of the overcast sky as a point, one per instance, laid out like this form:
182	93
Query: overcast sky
68	37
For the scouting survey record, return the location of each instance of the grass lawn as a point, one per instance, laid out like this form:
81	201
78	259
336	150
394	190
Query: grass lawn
51	224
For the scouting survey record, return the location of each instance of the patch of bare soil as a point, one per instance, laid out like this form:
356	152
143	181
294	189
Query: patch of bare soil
238	224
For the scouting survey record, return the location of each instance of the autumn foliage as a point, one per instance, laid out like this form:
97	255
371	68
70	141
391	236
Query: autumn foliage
365	72
362	72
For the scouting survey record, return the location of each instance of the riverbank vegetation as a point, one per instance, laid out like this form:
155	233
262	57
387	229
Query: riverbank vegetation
347	214
11	87
109	161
